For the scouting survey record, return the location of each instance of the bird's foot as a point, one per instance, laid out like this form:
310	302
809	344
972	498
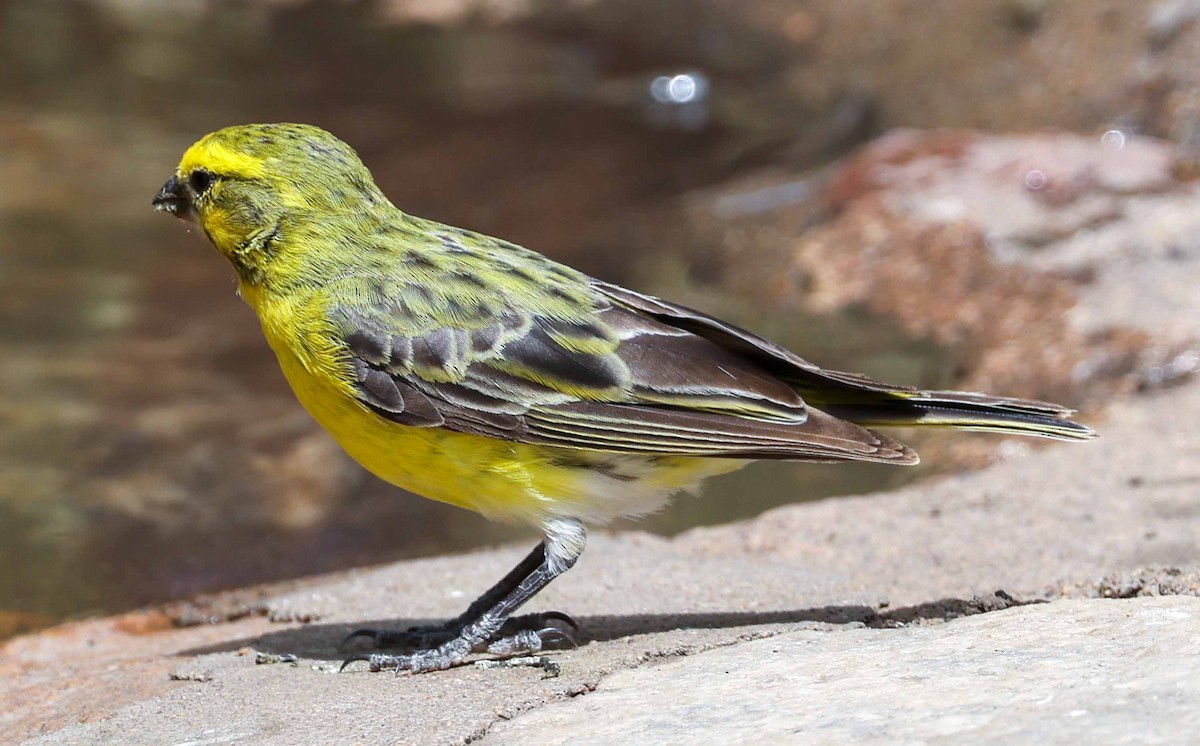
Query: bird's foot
433	636
455	652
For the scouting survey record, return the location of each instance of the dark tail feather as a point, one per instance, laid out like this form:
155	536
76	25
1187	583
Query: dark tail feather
855	397
963	411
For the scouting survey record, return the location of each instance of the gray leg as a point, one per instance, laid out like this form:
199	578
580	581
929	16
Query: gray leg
432	636
486	619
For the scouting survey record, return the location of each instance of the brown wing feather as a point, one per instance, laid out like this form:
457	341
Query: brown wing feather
855	397
617	381
647	429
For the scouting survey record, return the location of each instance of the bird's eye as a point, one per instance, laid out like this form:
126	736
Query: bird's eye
200	180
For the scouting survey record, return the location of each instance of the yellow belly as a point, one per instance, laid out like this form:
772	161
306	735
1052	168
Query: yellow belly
497	478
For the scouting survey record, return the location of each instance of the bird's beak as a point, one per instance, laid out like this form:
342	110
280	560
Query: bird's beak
173	198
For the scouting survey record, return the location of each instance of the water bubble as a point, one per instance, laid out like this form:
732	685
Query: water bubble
660	89
1179	367
1187	362
1113	139
679	89
1035	180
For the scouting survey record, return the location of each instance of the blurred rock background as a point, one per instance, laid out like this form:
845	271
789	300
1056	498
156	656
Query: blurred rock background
854	178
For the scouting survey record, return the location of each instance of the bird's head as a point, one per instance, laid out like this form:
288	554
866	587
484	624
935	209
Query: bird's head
245	182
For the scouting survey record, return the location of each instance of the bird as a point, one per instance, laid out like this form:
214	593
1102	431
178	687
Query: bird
476	372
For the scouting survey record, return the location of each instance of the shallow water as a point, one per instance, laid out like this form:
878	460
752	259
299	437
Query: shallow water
149	448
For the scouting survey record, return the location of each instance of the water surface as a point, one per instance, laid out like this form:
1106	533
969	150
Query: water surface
149	448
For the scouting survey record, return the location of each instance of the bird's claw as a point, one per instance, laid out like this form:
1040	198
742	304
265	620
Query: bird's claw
419	638
370	658
558	634
530	641
456	651
536	621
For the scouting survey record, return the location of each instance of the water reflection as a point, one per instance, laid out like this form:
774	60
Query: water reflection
679	100
149	448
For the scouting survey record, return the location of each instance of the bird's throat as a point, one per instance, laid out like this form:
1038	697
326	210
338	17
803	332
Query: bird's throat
251	256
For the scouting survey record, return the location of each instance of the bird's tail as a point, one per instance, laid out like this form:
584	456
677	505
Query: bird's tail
857	398
960	410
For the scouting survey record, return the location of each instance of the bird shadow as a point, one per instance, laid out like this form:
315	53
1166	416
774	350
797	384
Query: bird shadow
323	641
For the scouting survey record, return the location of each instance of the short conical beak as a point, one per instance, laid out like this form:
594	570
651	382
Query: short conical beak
173	198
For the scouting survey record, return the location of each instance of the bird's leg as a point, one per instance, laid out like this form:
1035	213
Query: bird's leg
488	622
433	635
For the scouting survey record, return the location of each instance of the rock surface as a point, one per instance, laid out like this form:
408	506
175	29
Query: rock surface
815	574
1124	671
829	621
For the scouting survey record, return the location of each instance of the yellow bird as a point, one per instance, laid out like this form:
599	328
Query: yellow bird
479	373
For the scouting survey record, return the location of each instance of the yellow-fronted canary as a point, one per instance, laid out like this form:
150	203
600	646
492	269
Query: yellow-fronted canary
470	370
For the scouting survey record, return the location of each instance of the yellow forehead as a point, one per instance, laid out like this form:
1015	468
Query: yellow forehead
213	155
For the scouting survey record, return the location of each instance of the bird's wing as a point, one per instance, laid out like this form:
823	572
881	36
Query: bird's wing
856	397
603	377
780	361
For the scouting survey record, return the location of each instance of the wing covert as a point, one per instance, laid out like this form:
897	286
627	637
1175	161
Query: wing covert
559	362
